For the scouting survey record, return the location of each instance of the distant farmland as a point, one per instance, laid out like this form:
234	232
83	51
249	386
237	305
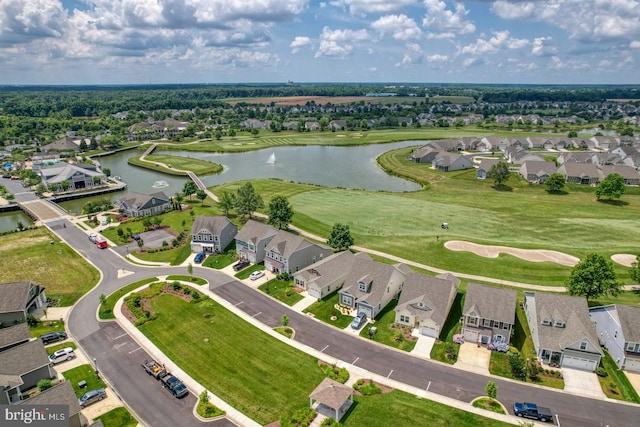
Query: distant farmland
336	100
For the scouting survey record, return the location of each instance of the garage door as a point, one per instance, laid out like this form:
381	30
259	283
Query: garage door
315	293
470	335
578	363
632	365
430	332
366	310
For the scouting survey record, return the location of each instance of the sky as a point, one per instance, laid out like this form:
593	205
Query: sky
76	42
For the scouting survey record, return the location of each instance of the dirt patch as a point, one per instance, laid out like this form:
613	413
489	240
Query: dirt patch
533	255
7	245
624	259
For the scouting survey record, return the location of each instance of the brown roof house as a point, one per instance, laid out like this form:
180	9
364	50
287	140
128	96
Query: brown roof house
325	276
425	302
212	234
17	299
485	166
252	240
60	394
628	173
331	399
21	368
580	173
618	329
562	333
289	253
135	204
489	314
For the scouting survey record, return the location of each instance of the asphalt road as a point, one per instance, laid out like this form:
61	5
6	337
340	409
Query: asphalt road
119	359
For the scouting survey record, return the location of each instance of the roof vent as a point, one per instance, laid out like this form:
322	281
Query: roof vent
546	321
560	324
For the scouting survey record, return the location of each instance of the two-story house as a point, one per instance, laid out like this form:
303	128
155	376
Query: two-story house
489	314
252	240
212	234
618	329
325	276
17	299
289	253
137	204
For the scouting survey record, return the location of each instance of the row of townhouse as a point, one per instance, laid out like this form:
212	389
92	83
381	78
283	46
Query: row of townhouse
155	129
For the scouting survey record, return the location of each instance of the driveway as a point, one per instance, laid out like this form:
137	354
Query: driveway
423	346
634	379
582	382
154	238
473	358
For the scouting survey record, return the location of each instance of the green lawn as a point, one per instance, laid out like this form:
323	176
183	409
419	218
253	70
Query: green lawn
279	379
616	385
191	279
218	261
451	327
106	309
52	325
118	417
282	291
197	166
398	408
53	348
489	404
246	272
325	309
86	373
385	333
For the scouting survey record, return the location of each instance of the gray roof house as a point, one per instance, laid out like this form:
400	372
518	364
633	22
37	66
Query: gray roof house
562	333
580	173
372	285
21	368
212	234
575	156
64	144
489	313
77	176
628	173
618	328
135	204
425	154
485	166
448	162
537	171
289	253
331	399
325	276
17	299
60	394
425	302
518	155
252	240
14	336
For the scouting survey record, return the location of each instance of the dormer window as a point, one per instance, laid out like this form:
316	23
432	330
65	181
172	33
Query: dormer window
560	324
546	321
362	286
583	345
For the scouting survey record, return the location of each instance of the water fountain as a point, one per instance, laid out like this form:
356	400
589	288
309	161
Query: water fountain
160	184
272	158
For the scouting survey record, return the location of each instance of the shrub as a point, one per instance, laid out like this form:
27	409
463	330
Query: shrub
367	388
458	339
44	384
602	372
518	367
31	320
340	375
329	422
164	244
451	351
498	346
176	286
299	418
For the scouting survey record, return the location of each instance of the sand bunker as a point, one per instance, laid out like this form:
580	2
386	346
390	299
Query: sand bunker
533	255
624	259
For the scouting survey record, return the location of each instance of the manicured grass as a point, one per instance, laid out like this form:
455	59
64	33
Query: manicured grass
86	373
281	290
205	408
218	261
117	417
263	387
52	349
385	333
451	327
28	255
190	279
284	330
246	272
197	166
398	408
325	309
616	385
489	404
53	325
106	309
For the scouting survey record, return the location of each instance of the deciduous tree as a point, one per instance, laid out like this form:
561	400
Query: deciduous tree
593	277
635	270
201	195
226	202
280	212
499	173
612	187
555	183
340	237
189	188
247	200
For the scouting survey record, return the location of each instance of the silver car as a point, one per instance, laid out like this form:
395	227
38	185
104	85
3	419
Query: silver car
61	355
92	397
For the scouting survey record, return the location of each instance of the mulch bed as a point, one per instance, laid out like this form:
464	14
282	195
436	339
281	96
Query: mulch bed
144	302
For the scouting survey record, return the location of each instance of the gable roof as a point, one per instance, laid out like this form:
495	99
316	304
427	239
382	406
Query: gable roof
62	171
331	393
328	269
537	168
377	274
579	169
14	335
254	231
629	322
137	200
490	302
61	144
286	244
426	296
14	296
627	172
213	224
24	358
60	394
486	164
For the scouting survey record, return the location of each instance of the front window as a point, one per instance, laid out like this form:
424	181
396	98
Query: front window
486	322
404	319
473	320
583	345
347	300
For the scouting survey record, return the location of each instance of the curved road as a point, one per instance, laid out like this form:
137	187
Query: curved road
119	357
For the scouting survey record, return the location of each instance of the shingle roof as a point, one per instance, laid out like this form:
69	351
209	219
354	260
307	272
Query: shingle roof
213	224
60	394
629	322
368	271
254	231
624	171
538	168
426	296
23	358
134	199
287	243
328	269
491	302
14	296
331	393
14	335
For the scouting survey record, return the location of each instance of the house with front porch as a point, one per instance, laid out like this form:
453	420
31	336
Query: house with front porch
425	302
372	285
325	276
212	234
618	329
562	333
21	368
252	240
288	253
489	314
17	299
135	204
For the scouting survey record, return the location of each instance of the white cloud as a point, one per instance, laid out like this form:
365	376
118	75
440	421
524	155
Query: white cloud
501	40
445	23
635	44
22	21
339	43
413	55
400	26
508	10
543	46
437	58
365	7
298	43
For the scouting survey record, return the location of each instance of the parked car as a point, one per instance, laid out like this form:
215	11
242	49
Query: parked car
199	257
174	385
359	320
61	355
92	237
256	275
50	337
243	263
531	410
135	236
92	397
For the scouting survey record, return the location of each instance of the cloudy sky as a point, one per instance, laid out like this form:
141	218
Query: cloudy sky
233	41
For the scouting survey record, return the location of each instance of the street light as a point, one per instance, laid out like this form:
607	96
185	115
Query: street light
95	364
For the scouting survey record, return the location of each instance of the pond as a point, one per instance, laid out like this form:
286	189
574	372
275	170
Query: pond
9	220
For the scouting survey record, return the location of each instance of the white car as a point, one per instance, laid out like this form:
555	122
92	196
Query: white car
256	275
92	237
61	355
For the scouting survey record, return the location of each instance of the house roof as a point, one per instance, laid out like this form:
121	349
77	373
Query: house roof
538	168
576	156
14	296
629	322
627	172
213	224
485	164
286	244
580	169
328	269
331	393
138	200
61	144
254	231
63	171
379	275
60	394
490	302
24	358
426	296
14	334
572	310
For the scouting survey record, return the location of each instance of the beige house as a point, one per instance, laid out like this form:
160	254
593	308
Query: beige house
325	276
489	314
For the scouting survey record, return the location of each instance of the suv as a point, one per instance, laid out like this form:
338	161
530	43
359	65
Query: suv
50	337
359	320
200	256
62	355
241	264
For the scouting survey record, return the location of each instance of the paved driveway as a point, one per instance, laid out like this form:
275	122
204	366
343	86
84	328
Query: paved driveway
634	379
154	238
582	382
423	346
473	358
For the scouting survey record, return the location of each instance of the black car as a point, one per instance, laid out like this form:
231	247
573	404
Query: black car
135	236
243	263
50	337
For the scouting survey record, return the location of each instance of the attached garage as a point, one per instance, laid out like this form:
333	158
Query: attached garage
315	293
368	310
470	335
429	331
632	364
579	363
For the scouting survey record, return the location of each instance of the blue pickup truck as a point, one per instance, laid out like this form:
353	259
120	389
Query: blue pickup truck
174	385
531	410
